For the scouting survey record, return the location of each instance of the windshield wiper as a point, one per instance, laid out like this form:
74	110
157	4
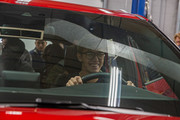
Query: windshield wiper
84	106
49	103
60	104
40	103
44	103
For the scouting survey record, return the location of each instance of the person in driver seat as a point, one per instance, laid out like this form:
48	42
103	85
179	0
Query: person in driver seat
92	62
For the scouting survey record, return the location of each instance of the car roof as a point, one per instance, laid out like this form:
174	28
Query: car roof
74	7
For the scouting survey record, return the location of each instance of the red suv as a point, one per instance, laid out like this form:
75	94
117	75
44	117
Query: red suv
66	61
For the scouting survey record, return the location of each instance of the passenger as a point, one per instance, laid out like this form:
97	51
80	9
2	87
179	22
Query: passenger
37	55
54	59
26	56
92	62
12	52
177	39
61	42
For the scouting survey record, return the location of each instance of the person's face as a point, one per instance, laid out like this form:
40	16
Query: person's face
92	61
4	41
40	45
177	41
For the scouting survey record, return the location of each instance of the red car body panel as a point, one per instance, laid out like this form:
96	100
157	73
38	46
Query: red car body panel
73	7
12	113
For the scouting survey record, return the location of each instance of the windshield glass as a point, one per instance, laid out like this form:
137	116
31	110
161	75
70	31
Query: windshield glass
59	55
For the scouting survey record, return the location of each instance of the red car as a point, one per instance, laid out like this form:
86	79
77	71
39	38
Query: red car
66	61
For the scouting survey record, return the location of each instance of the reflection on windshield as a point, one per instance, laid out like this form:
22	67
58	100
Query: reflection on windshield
114	98
84	37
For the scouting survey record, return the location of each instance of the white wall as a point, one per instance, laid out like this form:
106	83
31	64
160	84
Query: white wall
119	4
164	15
95	3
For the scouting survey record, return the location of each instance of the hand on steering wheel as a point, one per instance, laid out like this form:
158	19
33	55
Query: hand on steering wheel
78	80
106	76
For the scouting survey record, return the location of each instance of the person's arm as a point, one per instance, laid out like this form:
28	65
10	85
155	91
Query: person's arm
77	80
74	81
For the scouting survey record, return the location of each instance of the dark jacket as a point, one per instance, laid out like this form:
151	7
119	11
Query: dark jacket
37	60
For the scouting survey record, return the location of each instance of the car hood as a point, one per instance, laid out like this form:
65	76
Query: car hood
30	113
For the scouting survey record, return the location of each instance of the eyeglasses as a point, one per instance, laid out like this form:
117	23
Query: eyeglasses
91	55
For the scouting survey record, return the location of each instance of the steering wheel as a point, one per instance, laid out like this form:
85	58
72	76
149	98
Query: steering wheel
88	77
104	75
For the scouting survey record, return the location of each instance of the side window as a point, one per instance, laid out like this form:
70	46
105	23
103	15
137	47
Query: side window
149	77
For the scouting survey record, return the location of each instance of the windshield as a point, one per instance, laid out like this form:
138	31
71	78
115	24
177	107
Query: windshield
59	55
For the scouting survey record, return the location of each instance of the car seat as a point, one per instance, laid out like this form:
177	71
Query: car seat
71	63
